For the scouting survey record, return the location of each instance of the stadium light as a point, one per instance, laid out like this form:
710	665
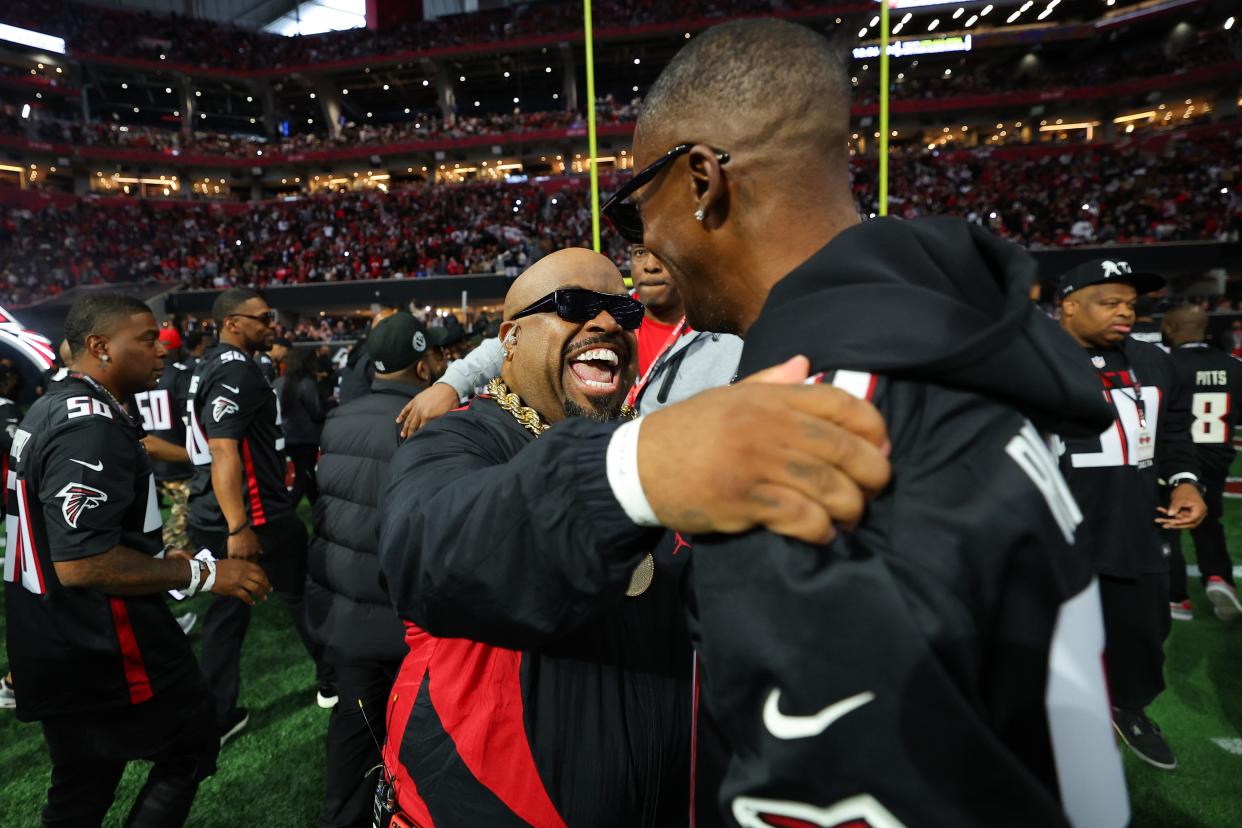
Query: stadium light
461	79
385	87
958	12
972	20
123	86
1137	116
168	90
1229	24
1013	17
874	21
506	74
28	37
198	93
26	111
863	33
931	27
426	83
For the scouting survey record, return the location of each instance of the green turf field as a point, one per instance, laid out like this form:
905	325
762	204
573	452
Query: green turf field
272	773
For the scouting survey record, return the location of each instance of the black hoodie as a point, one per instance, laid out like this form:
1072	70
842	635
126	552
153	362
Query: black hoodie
940	665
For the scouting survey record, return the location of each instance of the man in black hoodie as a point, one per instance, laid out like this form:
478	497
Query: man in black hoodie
940	663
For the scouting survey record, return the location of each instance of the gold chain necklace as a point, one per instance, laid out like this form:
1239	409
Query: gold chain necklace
644	572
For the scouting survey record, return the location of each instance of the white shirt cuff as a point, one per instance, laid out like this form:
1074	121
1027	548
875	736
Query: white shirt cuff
622	465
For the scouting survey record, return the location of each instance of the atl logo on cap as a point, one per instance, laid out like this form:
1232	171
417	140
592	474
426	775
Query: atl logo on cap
1112	269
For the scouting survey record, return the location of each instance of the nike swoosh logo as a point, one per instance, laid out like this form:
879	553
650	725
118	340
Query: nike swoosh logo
231	388
97	466
803	727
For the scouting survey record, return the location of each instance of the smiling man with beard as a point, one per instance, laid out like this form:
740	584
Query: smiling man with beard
548	674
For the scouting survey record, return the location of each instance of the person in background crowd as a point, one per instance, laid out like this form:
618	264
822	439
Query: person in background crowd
1233	340
545	637
346	606
1116	480
963	572
271	361
665	313
1146	328
358	373
103	665
302	411
1215	381
10	383
239	506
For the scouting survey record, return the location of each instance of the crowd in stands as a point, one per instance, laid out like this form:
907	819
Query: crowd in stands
406	233
1129	192
1178	188
177	39
420	127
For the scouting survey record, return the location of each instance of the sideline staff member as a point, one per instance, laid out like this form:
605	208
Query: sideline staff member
239	506
1115	477
101	661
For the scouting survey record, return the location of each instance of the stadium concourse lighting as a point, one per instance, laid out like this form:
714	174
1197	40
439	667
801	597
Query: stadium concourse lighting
1229	24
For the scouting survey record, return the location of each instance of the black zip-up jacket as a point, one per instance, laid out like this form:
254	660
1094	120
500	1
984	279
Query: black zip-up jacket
1116	474
901	675
534	692
346	606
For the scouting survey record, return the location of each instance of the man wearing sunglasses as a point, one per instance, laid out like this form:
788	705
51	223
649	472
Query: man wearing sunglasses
239	506
940	663
548	652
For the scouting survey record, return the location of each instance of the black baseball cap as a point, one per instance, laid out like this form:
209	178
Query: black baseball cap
400	340
1104	271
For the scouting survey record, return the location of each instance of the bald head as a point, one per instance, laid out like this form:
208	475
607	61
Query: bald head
749	84
572	267
1187	323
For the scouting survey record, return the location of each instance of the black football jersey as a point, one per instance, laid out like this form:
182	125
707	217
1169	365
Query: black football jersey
1116	475
81	484
1214	380
230	398
162	412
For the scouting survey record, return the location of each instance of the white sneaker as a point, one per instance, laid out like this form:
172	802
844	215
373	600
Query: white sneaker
326	697
187	621
8	696
1224	598
1182	611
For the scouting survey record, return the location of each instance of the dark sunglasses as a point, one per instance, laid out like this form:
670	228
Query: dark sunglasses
623	215
582	305
268	318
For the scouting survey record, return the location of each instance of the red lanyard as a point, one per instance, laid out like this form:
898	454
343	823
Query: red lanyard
1137	399
632	397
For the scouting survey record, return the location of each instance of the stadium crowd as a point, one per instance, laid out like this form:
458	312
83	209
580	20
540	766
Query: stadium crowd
1161	189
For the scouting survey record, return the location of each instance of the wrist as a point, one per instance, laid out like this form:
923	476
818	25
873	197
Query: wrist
242	528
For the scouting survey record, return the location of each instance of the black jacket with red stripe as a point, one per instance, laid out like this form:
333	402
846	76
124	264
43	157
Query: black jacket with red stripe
80	484
914	671
230	398
534	692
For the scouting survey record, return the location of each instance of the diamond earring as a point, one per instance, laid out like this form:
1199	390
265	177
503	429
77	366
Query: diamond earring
698	214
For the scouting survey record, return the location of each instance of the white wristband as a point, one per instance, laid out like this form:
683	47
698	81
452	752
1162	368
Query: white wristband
1183	477
196	573
622	466
211	575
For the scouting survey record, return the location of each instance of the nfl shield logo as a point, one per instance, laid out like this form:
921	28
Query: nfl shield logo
1097	361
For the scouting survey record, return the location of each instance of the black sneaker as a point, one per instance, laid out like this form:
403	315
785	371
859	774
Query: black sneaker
1144	738
327	696
234	724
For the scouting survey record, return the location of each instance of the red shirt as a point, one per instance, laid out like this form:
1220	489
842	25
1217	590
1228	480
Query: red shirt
652	335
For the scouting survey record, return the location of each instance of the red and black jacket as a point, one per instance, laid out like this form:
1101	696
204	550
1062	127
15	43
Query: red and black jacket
535	692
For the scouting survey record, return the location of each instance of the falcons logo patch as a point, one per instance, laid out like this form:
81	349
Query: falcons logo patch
222	407
78	498
861	811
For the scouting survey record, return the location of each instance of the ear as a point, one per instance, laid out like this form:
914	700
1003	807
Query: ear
508	338
97	346
422	371
708	188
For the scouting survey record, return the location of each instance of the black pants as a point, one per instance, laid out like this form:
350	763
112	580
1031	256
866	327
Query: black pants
352	751
304	458
89	751
1210	549
1136	623
226	619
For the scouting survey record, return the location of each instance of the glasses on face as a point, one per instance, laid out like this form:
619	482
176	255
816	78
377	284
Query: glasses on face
623	214
581	305
267	318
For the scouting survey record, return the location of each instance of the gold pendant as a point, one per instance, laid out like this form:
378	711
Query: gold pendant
641	577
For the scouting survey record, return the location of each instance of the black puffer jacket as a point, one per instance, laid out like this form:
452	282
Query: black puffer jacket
347	608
